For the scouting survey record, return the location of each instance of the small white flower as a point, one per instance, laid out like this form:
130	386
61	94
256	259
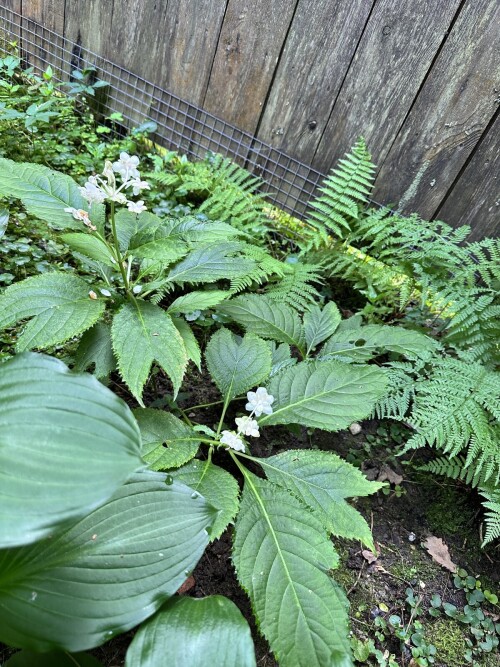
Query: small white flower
259	402
92	192
136	206
118	197
126	166
138	185
247	426
80	214
232	440
108	173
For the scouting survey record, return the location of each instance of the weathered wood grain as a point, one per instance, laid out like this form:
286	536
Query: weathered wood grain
251	39
456	103
393	57
475	197
15	32
321	43
50	13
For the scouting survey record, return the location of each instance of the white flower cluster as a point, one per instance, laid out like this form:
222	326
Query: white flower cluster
104	187
259	402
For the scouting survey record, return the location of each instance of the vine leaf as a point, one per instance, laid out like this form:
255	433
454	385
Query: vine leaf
282	557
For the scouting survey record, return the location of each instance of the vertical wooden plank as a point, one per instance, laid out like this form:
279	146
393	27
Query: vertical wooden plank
40	46
10	24
475	197
455	105
49	13
251	39
393	57
319	48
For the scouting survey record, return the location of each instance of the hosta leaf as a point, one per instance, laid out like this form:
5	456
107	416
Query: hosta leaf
195	633
59	305
319	324
90	246
282	557
198	301
45	193
322	481
4	219
363	343
66	444
143	333
52	659
167	442
108	572
237	364
95	349
211	263
329	395
192	346
260	315
217	486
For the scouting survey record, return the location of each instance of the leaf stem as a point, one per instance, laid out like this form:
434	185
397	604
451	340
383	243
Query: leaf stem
116	244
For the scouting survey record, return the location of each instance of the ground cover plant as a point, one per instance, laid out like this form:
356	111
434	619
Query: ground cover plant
153	303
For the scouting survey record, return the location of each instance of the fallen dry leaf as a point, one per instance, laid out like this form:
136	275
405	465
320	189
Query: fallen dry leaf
439	552
186	586
387	474
369	556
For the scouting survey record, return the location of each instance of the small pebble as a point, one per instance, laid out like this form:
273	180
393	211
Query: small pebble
412	537
355	428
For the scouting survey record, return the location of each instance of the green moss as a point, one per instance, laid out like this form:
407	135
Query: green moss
450	512
449	639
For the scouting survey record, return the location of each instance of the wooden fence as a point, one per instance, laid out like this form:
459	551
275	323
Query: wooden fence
419	79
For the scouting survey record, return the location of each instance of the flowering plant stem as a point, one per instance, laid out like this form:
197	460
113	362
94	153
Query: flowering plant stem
116	244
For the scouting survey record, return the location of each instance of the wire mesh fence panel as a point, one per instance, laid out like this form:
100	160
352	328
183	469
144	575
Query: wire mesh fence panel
288	183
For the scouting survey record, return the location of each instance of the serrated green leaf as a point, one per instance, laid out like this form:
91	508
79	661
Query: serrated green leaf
322	481
197	301
130	224
237	364
329	395
281	357
319	324
167	442
282	557
95	349
66	444
211	263
164	251
108	572
59	305
266	318
45	193
52	659
363	343
143	333
217	486
192	346
90	246
194	633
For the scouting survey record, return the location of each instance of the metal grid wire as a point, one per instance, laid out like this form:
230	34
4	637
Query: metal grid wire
181	126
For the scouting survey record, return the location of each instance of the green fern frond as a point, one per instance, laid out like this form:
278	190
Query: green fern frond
296	288
345	192
492	516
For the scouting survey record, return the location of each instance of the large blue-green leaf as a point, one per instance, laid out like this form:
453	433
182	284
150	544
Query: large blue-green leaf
237	364
194	633
59	304
108	572
52	659
143	333
66	444
329	395
283	556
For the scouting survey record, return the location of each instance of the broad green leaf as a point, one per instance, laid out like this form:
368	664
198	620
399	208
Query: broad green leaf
59	304
90	246
66	444
45	193
281	357
192	346
194	633
95	349
283	557
211	263
261	315
167	442
198	301
4	219
329	395
322	481
363	343
237	364
143	333
164	251
319	324
129	224
108	572
52	659
217	486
